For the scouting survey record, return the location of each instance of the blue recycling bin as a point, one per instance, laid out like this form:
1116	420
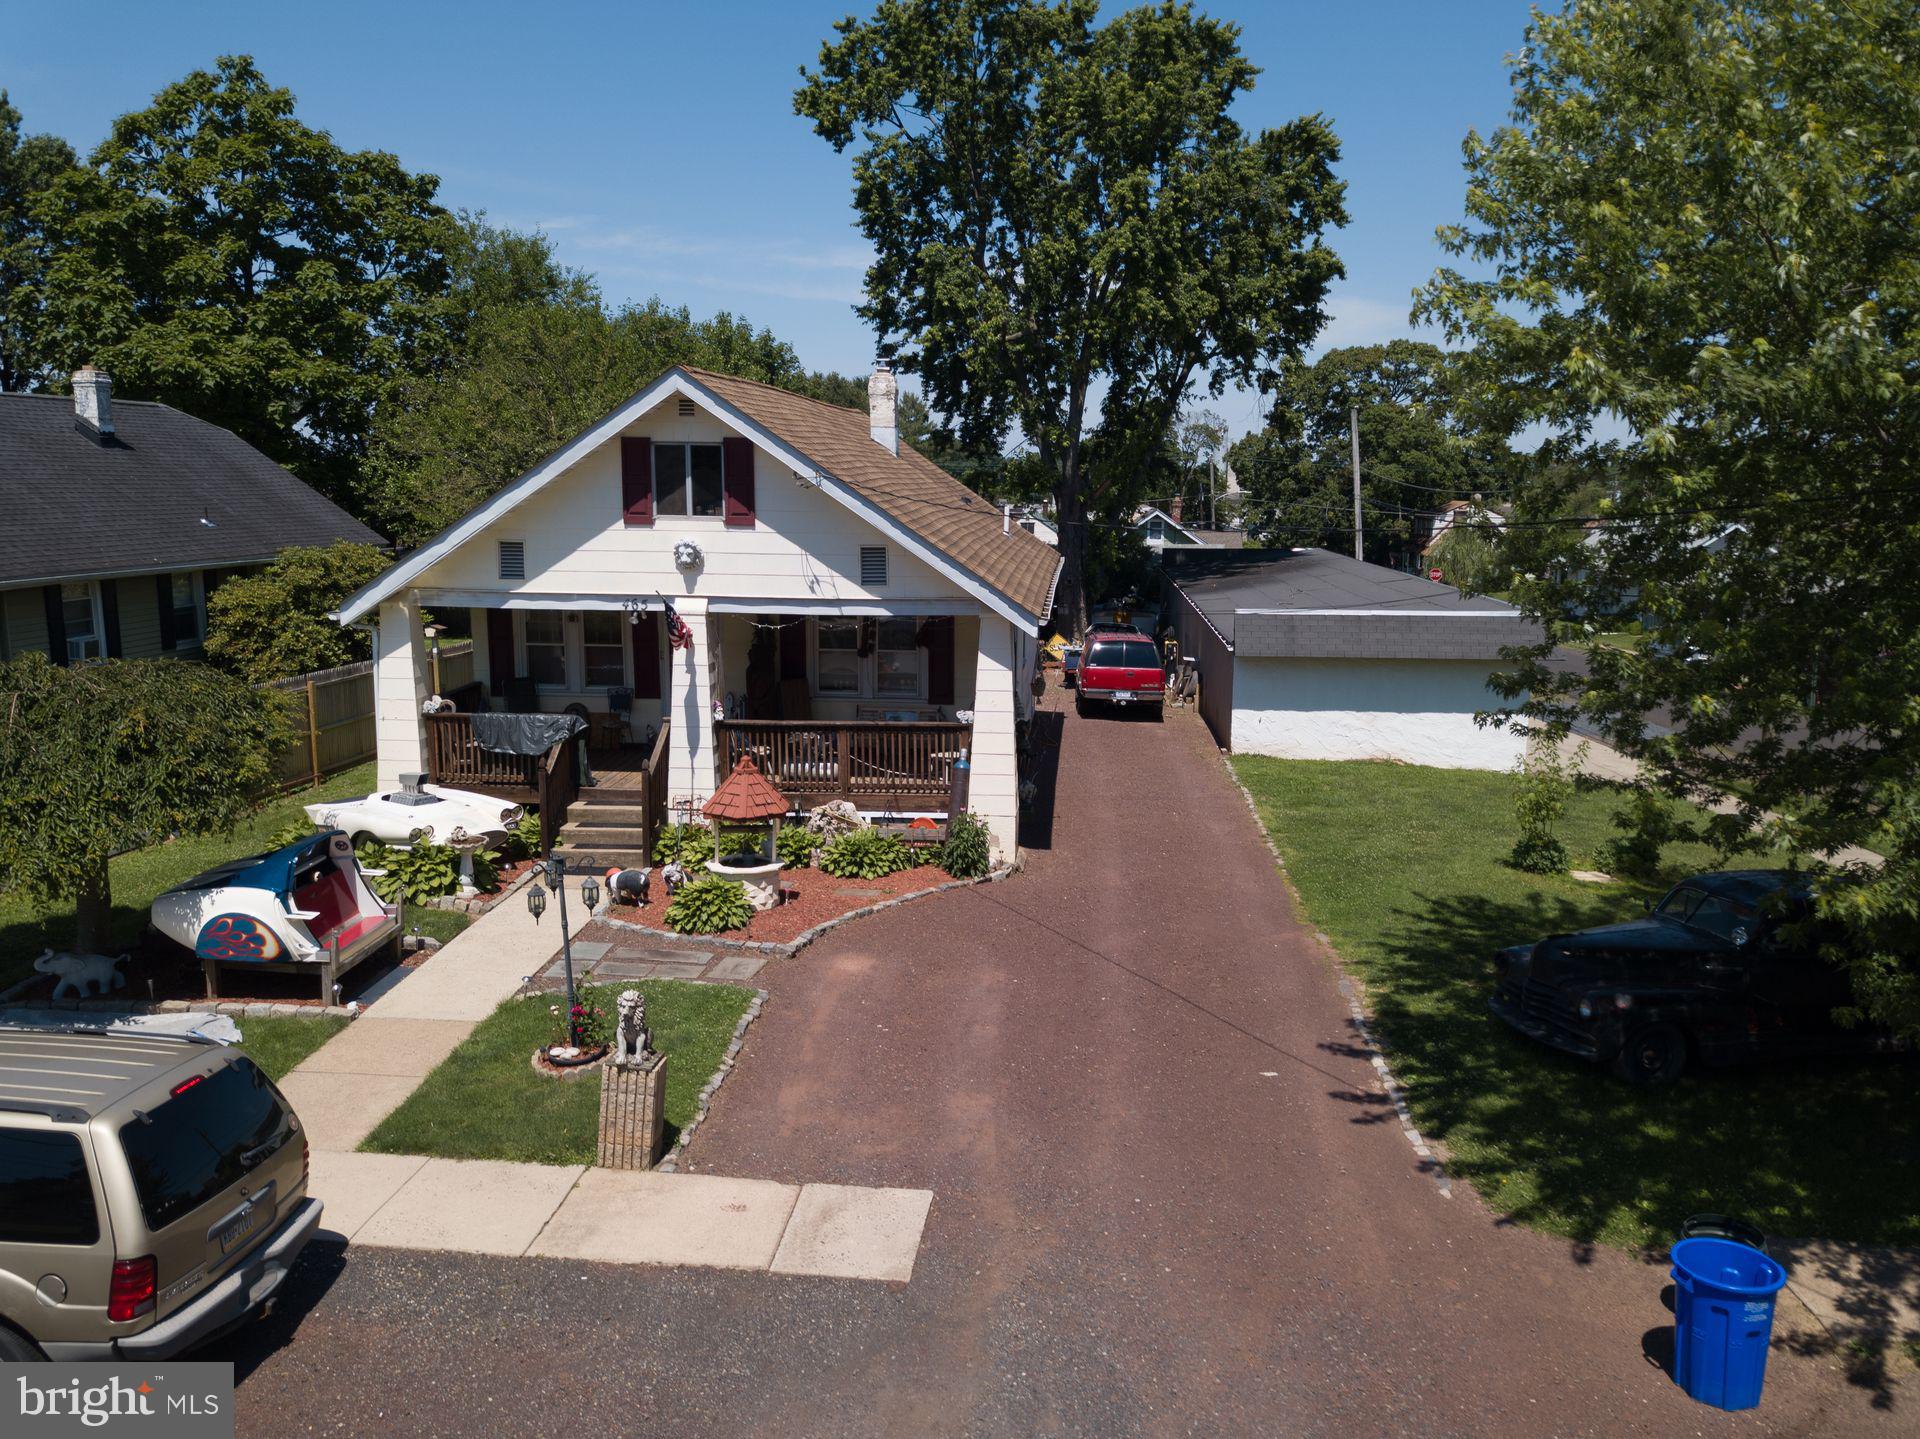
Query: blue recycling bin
1723	1300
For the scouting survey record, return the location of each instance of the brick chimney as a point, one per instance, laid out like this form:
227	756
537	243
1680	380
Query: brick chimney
883	396
1174	509
93	400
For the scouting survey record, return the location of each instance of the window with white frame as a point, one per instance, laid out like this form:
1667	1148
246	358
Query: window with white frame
80	619
897	671
868	659
838	665
1156	528
186	607
603	649
545	639
686	479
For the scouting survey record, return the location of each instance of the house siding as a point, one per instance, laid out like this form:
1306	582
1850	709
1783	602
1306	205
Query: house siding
26	620
1413	711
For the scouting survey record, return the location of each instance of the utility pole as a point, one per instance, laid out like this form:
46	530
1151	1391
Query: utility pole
1353	428
1212	521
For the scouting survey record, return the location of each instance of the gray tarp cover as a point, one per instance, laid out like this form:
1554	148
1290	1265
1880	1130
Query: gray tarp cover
529	734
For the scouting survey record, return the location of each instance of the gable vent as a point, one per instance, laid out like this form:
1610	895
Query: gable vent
873	565
686	408
513	559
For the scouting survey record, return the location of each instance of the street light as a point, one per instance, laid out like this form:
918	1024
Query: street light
556	876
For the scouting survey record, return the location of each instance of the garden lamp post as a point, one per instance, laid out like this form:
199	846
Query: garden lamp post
556	875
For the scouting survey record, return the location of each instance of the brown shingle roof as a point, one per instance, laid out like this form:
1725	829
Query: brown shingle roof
909	487
744	795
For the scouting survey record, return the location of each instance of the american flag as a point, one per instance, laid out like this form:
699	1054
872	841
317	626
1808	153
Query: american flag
679	637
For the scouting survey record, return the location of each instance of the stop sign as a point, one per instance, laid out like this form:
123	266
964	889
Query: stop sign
1434	574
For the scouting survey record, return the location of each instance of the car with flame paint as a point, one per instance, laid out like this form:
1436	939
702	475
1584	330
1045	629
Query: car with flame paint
305	908
396	816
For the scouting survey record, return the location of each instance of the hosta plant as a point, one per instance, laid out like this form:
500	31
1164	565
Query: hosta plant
709	905
691	844
795	846
865	854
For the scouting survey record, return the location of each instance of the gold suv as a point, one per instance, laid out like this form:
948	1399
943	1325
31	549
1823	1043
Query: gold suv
153	1193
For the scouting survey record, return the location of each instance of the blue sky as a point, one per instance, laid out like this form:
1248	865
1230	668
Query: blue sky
657	145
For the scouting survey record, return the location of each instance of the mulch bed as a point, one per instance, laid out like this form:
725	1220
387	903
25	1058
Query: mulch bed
811	898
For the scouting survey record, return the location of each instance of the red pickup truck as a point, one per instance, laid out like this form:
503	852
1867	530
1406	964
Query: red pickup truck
1121	667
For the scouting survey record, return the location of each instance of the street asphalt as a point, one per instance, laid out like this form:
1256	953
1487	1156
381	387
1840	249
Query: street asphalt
1170	1197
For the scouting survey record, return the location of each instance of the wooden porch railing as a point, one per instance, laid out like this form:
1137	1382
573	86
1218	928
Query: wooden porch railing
654	787
905	767
455	759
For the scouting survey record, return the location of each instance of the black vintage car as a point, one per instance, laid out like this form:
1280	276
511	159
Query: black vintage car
1722	969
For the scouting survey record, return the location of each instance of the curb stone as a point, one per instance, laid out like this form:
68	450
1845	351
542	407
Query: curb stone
236	1009
1354	991
670	1162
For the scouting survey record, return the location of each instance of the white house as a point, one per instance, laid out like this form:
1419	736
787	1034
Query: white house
1158	529
1307	654
736	570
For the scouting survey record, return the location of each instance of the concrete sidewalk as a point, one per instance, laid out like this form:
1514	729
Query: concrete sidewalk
356	1079
607	1216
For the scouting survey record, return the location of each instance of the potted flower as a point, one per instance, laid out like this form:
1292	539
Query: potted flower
580	1035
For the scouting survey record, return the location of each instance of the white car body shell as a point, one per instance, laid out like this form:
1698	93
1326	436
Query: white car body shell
393	822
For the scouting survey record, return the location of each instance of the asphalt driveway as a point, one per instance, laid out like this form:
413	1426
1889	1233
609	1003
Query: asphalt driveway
1169	1197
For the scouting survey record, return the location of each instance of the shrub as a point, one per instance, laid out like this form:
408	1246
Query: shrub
427	871
709	905
795	846
865	854
691	844
523	840
269	625
1539	800
1647	824
291	831
965	854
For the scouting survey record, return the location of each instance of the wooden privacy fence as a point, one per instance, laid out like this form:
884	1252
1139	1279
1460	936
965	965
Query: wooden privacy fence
333	714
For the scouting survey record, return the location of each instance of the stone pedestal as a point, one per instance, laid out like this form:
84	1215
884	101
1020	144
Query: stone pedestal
632	1114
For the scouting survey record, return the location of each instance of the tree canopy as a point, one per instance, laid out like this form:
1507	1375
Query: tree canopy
1416	450
1702	221
219	254
1057	205
104	757
273	624
29	164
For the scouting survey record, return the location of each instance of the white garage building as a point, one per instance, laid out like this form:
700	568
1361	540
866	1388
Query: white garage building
1306	654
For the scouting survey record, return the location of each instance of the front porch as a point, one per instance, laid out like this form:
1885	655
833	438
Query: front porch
876	711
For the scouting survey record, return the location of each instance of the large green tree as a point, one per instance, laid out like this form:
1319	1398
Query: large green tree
1057	206
100	758
29	165
1704	220
274	624
1417	451
218	253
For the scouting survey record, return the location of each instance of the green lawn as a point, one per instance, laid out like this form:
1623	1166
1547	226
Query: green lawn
277	1044
485	1102
1402	867
440	924
140	876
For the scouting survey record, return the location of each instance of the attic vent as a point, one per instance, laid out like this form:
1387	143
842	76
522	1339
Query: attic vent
686	408
873	566
513	559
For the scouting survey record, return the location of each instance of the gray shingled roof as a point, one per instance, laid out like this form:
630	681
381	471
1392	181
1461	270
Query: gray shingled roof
75	507
1219	582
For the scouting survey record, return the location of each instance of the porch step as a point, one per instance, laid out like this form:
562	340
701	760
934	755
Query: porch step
601	796
595	835
606	813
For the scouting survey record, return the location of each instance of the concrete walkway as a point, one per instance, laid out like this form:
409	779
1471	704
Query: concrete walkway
475	1206
356	1079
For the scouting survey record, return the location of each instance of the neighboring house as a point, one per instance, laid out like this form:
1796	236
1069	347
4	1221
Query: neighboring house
1308	654
123	515
854	617
1458	512
1040	526
1161	529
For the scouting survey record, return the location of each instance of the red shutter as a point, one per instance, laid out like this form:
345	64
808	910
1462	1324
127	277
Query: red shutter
937	635
499	650
636	479
736	478
645	639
